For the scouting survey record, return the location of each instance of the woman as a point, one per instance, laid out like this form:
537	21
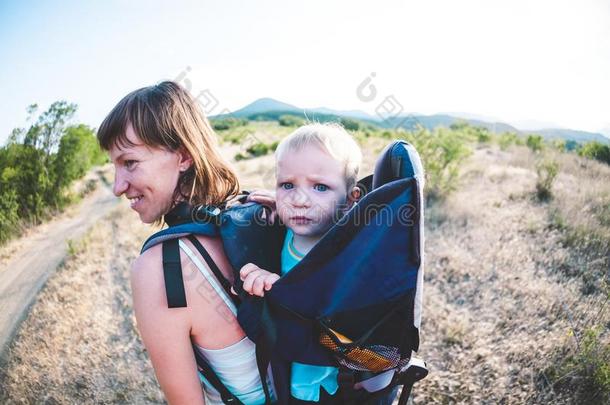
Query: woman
164	153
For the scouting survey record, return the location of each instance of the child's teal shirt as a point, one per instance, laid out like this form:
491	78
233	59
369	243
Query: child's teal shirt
306	379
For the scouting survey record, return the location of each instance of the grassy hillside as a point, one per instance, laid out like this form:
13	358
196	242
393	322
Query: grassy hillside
516	285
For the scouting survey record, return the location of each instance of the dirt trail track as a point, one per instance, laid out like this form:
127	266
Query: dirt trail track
22	276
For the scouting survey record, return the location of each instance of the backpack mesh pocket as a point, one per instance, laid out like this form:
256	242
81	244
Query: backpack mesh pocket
359	357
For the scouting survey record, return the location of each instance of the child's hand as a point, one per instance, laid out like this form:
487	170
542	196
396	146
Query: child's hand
256	280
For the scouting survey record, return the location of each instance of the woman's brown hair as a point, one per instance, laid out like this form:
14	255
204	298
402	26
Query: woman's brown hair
166	116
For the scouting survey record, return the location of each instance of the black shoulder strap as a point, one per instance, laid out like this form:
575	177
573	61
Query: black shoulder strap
172	273
214	267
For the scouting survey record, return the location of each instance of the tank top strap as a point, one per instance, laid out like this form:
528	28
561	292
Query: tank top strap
207	274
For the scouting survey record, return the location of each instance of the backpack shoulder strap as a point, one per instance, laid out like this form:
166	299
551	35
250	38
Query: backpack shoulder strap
226	285
172	274
178	231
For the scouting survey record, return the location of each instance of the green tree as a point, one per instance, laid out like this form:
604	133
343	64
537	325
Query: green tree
24	172
28	163
78	152
50	126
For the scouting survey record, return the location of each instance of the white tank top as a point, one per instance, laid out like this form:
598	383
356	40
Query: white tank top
234	365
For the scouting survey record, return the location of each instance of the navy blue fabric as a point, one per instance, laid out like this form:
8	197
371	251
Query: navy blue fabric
352	267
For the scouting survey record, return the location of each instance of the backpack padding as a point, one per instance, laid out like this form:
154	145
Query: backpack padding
179	231
399	160
365	185
248	237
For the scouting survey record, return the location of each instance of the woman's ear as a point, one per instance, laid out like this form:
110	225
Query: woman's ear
185	160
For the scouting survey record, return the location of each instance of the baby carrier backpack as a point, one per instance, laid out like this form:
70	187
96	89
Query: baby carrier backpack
353	302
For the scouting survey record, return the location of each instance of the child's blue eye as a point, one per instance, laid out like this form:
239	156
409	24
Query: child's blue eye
287	186
320	187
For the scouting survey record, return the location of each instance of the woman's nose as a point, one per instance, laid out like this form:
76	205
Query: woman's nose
120	183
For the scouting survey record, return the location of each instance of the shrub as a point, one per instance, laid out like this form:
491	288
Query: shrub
222	124
350	124
442	152
235	137
290	121
596	150
459	125
583	368
483	135
547	171
507	139
9	217
534	142
572	145
258	149
559	144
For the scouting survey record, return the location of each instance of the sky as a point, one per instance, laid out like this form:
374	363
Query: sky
529	63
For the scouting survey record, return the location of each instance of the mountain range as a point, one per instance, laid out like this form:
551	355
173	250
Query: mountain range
271	109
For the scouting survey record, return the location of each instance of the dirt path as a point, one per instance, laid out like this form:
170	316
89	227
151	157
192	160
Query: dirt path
26	271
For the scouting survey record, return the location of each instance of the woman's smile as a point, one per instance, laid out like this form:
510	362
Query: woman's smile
135	202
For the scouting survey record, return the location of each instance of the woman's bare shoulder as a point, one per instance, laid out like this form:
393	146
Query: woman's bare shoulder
214	247
147	269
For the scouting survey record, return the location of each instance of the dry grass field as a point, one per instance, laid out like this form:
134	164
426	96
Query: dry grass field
514	303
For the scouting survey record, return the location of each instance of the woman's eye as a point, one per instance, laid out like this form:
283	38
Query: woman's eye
320	187
129	164
287	186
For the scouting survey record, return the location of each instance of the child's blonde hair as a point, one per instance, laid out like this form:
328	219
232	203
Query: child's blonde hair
331	137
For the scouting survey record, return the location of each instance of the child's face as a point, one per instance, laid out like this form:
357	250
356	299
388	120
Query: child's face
311	191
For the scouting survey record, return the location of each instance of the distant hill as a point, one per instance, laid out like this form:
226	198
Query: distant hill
441	120
356	114
572	134
265	105
271	109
